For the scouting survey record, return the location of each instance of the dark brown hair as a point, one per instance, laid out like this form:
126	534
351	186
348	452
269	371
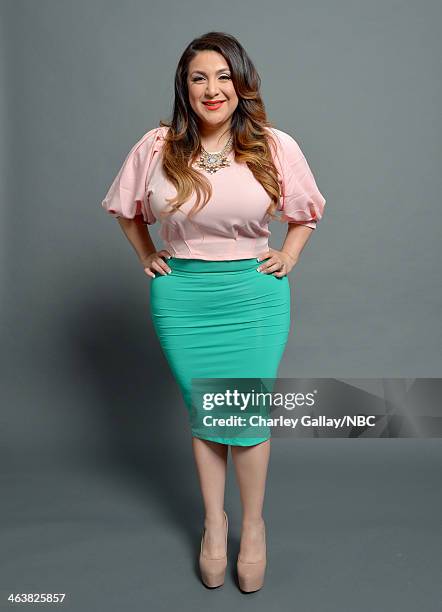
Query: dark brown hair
249	127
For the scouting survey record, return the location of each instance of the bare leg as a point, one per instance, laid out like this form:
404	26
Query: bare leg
251	463
211	463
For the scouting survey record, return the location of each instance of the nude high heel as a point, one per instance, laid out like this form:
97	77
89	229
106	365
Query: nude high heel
213	569
251	575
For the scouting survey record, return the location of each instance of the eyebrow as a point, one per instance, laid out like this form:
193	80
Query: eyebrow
202	71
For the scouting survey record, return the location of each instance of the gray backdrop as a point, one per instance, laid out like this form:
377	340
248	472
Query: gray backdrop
100	493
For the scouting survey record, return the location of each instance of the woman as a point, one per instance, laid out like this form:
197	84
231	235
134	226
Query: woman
217	313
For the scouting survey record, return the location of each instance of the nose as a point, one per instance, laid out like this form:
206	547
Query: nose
212	87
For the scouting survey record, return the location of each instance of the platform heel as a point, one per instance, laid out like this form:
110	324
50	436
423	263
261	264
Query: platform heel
213	570
251	575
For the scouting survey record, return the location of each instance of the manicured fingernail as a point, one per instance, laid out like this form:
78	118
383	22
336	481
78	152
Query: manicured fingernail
257	259
259	269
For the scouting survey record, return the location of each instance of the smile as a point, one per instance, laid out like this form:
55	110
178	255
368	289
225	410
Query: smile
213	106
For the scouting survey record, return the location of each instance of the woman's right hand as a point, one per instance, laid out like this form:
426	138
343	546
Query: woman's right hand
155	263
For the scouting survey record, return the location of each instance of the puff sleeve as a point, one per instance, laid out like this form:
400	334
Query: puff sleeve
128	193
301	202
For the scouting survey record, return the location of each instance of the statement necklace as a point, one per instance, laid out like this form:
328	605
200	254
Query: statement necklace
212	162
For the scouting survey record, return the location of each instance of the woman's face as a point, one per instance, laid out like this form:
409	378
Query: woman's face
209	79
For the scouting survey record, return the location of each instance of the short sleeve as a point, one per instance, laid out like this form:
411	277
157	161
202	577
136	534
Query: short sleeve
128	194
301	202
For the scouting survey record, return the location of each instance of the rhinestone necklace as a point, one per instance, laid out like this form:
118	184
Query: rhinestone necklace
212	162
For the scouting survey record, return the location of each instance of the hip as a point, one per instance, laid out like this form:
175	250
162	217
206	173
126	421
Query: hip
218	281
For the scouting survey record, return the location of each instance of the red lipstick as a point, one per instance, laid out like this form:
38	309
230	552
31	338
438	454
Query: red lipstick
213	105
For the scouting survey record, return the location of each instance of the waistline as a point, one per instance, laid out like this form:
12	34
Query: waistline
203	265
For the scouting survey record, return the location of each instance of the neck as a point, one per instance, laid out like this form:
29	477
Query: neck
214	138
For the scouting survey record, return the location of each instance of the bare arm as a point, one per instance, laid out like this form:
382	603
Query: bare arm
139	237
280	263
296	239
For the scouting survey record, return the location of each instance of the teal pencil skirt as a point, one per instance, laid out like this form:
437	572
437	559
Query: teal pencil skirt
220	319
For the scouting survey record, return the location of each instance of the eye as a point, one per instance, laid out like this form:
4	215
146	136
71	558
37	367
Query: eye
223	76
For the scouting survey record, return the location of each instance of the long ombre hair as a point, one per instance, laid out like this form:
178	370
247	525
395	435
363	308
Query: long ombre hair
251	139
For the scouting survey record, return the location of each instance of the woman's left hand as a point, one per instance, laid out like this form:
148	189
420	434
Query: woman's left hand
278	263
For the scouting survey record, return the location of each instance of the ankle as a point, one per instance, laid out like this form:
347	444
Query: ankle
253	523
215	519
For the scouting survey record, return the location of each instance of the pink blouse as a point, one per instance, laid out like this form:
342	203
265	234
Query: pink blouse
234	223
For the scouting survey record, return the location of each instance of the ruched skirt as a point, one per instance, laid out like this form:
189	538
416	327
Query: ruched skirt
220	319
